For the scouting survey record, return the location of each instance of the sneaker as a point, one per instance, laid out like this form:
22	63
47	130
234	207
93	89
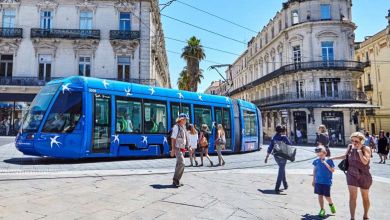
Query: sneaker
322	213
332	208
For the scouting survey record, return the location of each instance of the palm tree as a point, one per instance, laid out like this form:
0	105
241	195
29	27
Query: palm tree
184	81
193	53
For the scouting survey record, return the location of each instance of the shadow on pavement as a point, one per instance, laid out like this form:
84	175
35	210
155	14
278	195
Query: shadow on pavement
50	160
271	192
313	217
159	186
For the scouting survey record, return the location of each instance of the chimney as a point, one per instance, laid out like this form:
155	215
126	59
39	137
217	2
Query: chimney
388	17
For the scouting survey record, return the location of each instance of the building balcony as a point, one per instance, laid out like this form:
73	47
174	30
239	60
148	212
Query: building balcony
312	96
304	66
21	81
124	35
369	88
11	33
65	33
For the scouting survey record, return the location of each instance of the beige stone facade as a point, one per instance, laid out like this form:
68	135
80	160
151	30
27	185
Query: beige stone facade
375	80
41	40
300	70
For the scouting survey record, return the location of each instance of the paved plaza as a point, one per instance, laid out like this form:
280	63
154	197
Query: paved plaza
36	188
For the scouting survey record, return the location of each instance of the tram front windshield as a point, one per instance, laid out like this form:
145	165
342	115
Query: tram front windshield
38	108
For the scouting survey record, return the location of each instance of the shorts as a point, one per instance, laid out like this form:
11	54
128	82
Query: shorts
322	189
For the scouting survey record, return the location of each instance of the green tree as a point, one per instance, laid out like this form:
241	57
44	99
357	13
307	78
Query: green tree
193	53
184	81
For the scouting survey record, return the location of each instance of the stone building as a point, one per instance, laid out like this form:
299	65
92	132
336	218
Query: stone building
215	88
375	80
300	70
42	40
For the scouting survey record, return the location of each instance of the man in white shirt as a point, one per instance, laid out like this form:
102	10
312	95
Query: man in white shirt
299	136
179	143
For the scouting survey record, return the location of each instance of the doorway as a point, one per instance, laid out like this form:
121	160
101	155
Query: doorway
334	122
300	127
101	124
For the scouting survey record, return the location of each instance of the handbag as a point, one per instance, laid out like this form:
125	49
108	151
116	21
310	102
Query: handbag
203	141
344	164
283	150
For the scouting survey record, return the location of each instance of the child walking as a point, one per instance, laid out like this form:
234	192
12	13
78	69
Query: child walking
322	179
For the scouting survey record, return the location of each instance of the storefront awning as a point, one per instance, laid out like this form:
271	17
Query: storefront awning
320	105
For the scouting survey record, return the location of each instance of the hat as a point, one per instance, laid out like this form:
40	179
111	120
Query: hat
182	116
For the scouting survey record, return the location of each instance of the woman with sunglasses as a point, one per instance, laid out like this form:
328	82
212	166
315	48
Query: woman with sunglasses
358	173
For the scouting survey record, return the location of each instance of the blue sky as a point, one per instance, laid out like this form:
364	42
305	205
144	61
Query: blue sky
369	16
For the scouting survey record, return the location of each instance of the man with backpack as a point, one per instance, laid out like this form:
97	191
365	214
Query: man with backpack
179	143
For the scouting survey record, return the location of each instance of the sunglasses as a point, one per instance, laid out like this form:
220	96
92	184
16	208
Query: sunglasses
355	141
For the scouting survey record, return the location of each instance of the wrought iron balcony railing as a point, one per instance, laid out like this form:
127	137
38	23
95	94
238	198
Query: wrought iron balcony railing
369	88
124	35
22	81
65	33
11	33
305	66
312	96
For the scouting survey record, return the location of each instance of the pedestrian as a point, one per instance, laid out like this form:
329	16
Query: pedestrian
358	172
322	179
278	139
370	142
193	137
382	146
323	138
299	136
388	144
220	143
179	141
204	138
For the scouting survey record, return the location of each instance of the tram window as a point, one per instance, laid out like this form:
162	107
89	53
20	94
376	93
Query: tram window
155	117
250	123
65	113
128	116
175	111
202	116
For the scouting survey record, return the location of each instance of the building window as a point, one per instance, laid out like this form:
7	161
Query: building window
44	69
325	12
46	19
273	32
300	89
280	25
297	56
274	90
369	78
273	64
124	21
266	38
295	17
6	65
329	87
86	20
9	18
124	68
327	52
85	66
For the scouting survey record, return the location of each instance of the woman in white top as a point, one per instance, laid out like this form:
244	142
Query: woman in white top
220	143
193	143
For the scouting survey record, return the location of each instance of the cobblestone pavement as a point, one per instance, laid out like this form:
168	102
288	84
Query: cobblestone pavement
43	188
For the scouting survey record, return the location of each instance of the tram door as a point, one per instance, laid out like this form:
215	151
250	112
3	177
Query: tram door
101	124
222	116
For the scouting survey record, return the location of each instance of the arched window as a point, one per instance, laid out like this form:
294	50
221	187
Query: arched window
295	17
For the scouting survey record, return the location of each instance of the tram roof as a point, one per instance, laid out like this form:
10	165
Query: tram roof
132	88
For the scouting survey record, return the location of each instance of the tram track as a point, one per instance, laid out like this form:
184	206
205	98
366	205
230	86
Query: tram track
42	174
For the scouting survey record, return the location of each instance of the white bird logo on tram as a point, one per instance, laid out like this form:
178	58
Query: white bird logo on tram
165	140
116	138
53	140
243	132
65	88
145	139
200	97
227	99
180	95
151	89
128	92
105	84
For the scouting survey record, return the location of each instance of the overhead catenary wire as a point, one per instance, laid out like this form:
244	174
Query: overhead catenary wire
204	29
216	16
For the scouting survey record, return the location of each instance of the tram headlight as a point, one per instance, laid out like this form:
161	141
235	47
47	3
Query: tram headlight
30	136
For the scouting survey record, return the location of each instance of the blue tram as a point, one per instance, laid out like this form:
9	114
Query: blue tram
80	117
